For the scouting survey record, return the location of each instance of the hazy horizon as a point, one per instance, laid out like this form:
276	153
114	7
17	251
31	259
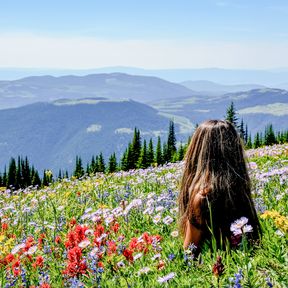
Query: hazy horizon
151	35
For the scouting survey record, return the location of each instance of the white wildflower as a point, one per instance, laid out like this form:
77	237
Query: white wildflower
83	244
166	278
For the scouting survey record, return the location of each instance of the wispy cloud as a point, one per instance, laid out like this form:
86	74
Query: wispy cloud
84	52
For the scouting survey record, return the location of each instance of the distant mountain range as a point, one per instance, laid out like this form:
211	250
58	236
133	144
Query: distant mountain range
30	90
56	118
52	134
270	78
257	107
212	88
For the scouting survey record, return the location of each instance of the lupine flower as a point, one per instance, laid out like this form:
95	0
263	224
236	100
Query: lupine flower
144	270
166	278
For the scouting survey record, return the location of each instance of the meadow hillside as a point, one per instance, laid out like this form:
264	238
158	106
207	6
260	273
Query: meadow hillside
120	230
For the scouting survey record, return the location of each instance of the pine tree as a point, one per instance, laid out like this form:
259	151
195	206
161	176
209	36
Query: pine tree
241	130
142	163
269	137
101	163
19	177
1	179
36	181
249	142
150	153
257	141
26	173
112	164
123	164
159	156
130	158
246	134
66	175
79	171
59	174
135	149
231	115
171	142
180	152
165	153
11	178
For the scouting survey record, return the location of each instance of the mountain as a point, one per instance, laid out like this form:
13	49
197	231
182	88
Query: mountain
269	78
52	134
257	107
34	89
212	88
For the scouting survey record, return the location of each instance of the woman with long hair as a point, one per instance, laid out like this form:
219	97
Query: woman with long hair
215	189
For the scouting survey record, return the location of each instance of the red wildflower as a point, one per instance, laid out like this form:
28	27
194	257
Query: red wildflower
218	267
133	243
40	240
99	230
16	268
115	227
58	239
76	236
128	254
73	222
148	239
5	226
161	265
45	285
39	262
112	247
76	264
29	243
100	264
9	258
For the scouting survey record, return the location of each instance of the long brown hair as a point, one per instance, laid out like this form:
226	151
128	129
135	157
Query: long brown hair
215	181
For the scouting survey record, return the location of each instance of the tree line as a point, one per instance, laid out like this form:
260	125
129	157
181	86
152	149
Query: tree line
138	154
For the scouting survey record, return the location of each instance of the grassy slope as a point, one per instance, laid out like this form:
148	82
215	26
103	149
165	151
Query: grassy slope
49	212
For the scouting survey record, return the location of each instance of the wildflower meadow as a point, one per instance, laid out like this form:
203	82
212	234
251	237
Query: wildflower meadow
121	230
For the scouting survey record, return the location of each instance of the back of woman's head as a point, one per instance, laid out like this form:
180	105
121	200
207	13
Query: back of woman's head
215	170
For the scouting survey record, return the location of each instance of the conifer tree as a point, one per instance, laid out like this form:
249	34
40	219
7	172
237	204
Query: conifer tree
112	164
242	131
231	115
150	153
66	175
135	149
59	174
165	153
269	137
171	142
249	142
19	177
246	135
101	163
1	183
257	141
143	163
123	164
36	181
181	152
79	171
11	178
130	157
159	156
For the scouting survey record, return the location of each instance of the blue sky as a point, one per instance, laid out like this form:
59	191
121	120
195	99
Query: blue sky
148	34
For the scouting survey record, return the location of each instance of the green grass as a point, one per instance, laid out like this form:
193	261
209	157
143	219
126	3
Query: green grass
59	211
